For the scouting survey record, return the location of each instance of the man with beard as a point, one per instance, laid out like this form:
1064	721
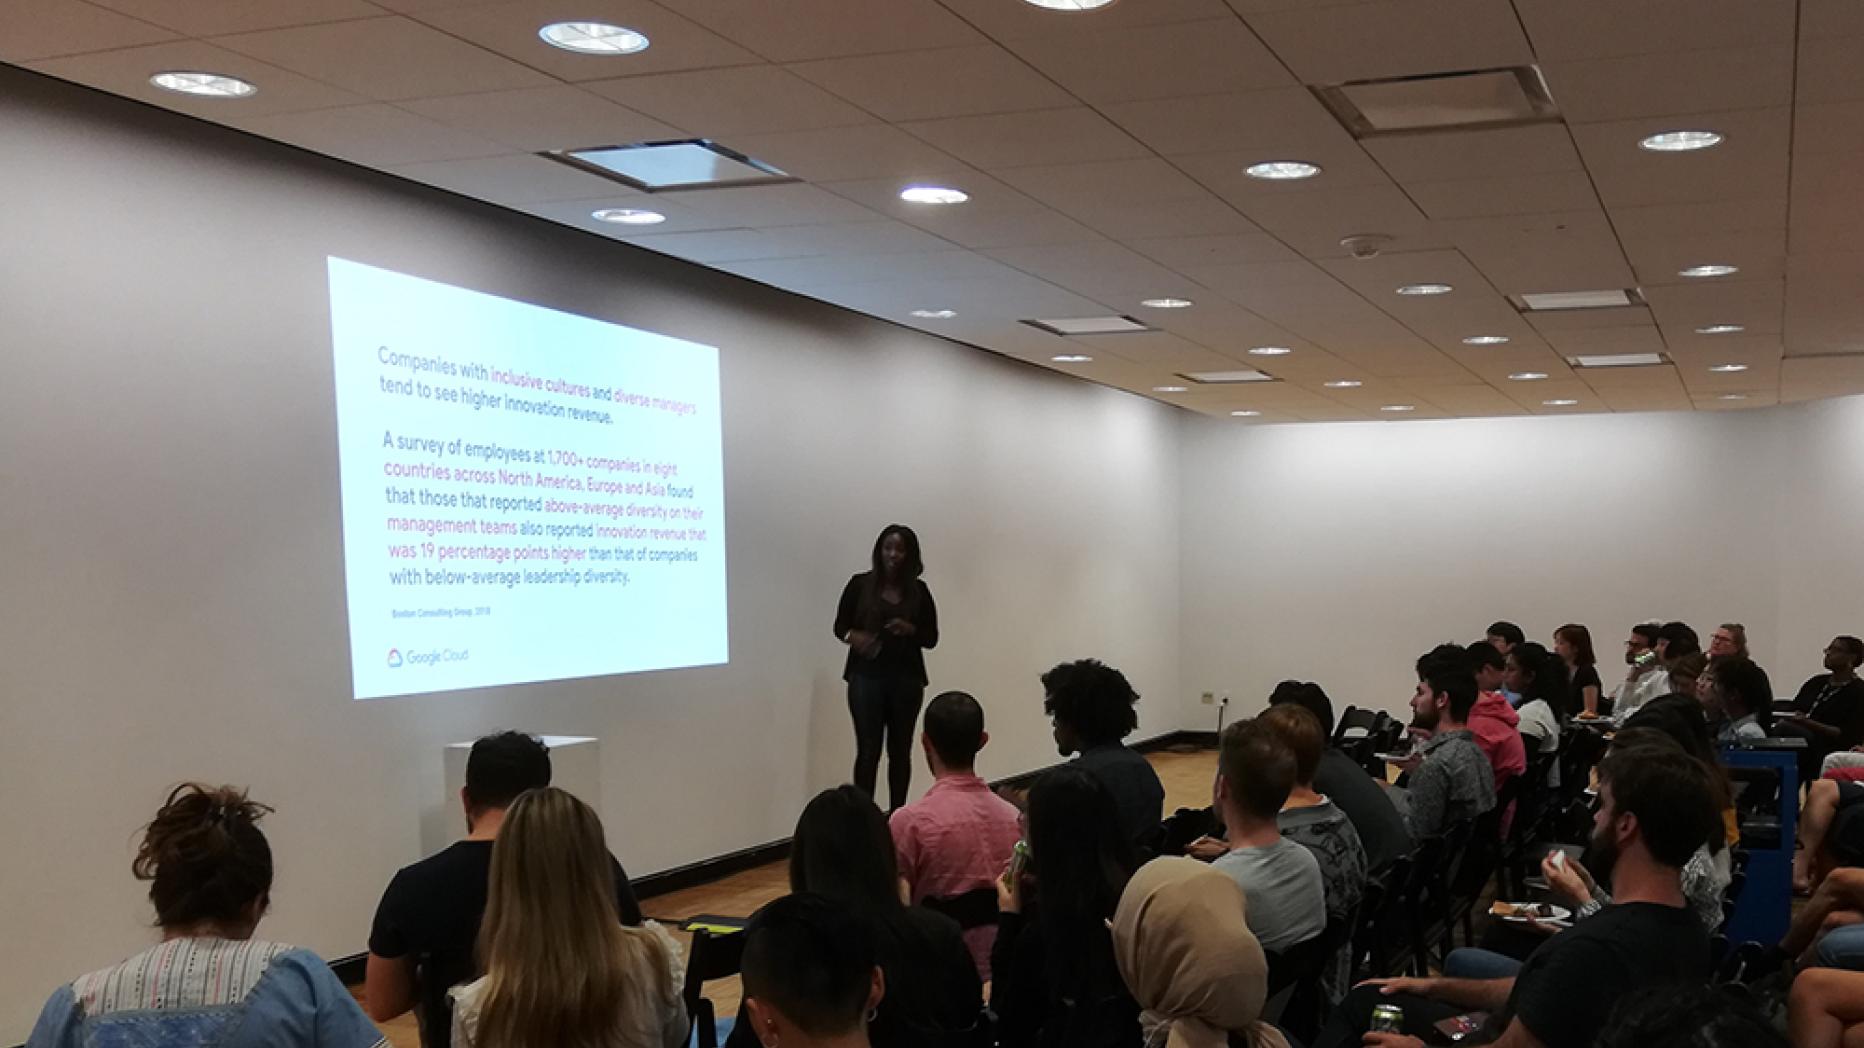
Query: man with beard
1655	810
1450	778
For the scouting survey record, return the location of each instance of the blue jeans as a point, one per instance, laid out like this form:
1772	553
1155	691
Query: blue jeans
1468	963
1842	948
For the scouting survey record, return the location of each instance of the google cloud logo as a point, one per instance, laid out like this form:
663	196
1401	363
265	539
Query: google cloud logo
394	658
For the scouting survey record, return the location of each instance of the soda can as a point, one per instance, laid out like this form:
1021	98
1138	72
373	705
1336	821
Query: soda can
1387	1018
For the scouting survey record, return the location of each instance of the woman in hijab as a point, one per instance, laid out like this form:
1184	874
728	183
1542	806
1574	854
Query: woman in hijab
1185	951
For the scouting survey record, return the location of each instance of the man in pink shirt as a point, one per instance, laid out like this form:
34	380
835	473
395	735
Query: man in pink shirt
958	837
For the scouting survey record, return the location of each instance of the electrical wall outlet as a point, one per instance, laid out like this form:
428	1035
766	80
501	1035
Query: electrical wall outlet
1210	698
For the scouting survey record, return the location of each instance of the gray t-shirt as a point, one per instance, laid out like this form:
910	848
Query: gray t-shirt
1283	893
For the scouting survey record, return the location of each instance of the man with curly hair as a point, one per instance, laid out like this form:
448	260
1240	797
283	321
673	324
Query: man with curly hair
1091	706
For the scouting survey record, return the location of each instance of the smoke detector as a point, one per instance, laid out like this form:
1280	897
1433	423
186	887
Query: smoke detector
1365	245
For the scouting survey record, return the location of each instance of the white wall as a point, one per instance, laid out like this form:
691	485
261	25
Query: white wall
173	602
1338	553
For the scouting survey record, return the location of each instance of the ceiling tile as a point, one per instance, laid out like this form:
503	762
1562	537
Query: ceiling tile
844	239
1183	253
1443	156
994	301
1157	61
1315	222
839	153
868	269
385	58
799	30
1051	136
374	135
1518	195
1828	128
1756	303
516	179
1095	269
1606	342
32	29
1564	251
1334	45
1018	21
1576	29
535	119
1829	70
1278	124
1760	255
126	72
925	85
1829	20
1029	226
1090	191
1752	162
1810	378
213	17
989	197
763	206
1827	224
735	100
1648	228
510	29
1593	90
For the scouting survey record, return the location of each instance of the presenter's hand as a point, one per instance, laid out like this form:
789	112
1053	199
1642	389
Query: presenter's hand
901	628
1009	894
863	642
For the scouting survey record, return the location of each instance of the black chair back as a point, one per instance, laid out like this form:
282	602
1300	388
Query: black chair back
1356	719
712	956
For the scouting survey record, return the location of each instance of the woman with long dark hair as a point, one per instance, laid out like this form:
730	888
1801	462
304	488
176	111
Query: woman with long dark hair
887	619
1056	983
1573	643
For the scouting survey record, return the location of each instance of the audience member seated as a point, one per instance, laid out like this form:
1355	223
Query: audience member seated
208	981
1642	664
1532	673
812	974
958	837
1317	824
1450	779
1829	710
421	944
1676	642
1573	643
1828	932
1281	879
1367	805
1183	943
1091	706
1730	640
1826	1009
554	945
1655	810
1494	723
1688	1017
1684	720
1503	636
1733	692
842	850
1831	831
1685	672
1055	983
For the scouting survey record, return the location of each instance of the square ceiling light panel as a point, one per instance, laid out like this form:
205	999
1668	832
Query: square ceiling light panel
657	167
1118	325
1615	360
1479	99
1219	378
1553	301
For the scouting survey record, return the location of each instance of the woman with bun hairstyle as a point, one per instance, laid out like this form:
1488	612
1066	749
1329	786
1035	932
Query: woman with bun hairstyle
208	981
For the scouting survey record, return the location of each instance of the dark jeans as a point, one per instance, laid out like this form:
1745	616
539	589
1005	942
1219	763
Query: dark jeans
1353	1015
884	708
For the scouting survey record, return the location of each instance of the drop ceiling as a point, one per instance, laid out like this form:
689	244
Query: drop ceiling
1103	153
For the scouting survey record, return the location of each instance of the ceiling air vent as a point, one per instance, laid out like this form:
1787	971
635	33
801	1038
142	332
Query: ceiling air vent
1481	98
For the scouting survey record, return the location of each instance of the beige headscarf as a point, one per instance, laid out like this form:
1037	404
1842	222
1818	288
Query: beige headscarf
1186	952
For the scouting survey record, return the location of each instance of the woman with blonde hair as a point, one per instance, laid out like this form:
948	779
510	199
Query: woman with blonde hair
1184	947
561	971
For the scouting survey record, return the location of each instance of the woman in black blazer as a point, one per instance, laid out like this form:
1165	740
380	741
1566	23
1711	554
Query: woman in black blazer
887	620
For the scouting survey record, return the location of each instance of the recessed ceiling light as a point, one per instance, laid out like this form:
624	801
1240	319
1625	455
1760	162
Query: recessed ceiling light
1732	396
1528	376
1485	340
1114	325
1561	403
205	85
1270	351
933	195
1728	369
1721	329
1343	383
1546	300
1615	360
1708	271
593	38
628	216
1425	289
1167	303
1282	170
686	163
935	314
1681	141
1068	5
1223	377
1399	407
1072	358
1245	414
1169	389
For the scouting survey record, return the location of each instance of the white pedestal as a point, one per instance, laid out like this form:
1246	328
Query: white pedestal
575	767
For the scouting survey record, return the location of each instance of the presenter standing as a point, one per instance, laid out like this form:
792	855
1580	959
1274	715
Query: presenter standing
887	619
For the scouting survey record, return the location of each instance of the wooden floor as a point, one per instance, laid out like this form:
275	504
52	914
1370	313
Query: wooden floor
1186	774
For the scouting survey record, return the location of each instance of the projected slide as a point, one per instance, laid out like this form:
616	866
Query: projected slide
528	495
